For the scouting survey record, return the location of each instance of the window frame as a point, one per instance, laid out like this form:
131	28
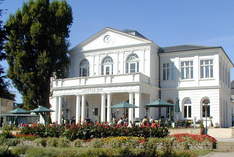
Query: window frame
187	108
203	68
168	71
186	71
84	65
203	108
132	59
107	62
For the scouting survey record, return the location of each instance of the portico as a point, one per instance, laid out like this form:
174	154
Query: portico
95	103
101	112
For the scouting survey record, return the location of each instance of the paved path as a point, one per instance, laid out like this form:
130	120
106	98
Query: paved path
225	140
220	154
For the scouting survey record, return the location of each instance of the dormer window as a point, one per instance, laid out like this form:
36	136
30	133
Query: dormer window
107	66
132	64
84	68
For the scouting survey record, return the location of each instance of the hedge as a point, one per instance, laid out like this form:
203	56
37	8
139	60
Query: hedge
88	131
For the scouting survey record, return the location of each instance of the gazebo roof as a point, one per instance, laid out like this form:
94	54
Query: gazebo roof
41	109
159	103
123	105
19	111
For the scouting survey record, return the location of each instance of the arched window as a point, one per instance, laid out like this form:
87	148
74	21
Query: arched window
132	64
205	107
107	66
84	68
187	108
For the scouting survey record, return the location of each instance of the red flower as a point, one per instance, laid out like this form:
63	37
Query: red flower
199	138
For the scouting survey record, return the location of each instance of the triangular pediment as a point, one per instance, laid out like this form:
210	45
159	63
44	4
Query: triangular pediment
110	38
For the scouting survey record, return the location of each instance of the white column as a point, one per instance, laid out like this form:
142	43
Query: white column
83	108
56	109
109	107
103	107
139	112
59	109
77	109
130	110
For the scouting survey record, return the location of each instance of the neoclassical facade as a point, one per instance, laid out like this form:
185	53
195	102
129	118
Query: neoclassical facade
115	66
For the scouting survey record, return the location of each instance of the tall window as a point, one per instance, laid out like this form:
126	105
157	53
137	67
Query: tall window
187	104
84	67
187	70
107	66
168	71
206	107
132	64
206	68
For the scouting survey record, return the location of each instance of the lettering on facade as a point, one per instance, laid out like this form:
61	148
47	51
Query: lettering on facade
92	90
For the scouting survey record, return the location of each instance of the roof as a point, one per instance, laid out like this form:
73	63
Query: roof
178	48
183	48
133	32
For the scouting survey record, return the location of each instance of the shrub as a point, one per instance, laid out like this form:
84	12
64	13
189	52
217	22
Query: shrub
39	152
94	152
43	130
77	143
20	150
6	131
56	142
41	142
63	142
5	152
52	142
12	142
8	141
88	131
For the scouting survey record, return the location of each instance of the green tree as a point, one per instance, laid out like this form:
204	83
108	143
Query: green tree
36	47
4	93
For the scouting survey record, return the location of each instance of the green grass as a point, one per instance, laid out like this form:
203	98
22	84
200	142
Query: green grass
95	152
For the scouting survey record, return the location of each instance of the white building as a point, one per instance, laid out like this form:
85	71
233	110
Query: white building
114	66
232	99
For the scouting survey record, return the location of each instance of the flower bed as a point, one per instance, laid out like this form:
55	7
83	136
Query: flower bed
89	131
194	141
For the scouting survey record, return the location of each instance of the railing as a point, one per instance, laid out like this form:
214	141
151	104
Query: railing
99	80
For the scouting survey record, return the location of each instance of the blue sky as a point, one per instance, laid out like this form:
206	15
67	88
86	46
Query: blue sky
166	22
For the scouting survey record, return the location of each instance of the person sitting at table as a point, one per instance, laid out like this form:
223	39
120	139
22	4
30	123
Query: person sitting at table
120	122
144	121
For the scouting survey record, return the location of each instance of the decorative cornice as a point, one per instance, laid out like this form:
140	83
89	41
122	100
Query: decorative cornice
192	88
